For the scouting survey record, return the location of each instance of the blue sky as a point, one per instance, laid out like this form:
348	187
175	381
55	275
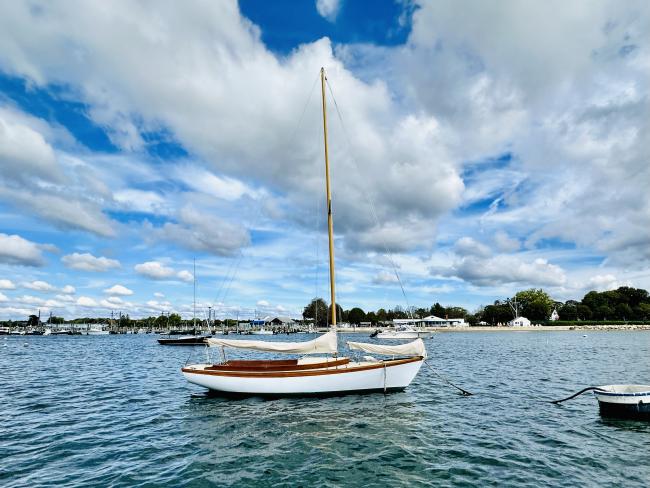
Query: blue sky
138	139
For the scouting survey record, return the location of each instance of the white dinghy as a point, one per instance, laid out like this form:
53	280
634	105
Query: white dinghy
321	375
632	401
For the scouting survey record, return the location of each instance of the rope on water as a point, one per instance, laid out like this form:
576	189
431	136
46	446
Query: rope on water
576	394
462	392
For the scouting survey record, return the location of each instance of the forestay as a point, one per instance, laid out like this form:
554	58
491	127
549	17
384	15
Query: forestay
415	348
325	344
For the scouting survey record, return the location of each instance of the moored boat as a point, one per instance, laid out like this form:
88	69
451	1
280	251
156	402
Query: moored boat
309	376
331	375
625	401
403	332
194	340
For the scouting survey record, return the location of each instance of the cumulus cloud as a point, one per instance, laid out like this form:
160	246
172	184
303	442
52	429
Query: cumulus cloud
467	246
84	301
202	232
7	285
24	153
88	262
3	297
68	290
154	270
328	9
158	271
39	285
185	275
17	250
504	269
118	290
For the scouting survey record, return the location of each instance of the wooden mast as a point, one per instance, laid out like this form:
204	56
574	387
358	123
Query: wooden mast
330	223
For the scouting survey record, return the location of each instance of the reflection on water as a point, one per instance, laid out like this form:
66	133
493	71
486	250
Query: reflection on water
115	410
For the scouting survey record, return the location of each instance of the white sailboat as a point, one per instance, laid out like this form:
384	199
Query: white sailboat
318	375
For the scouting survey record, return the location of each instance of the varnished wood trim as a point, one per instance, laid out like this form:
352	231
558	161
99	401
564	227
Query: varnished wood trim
288	374
263	366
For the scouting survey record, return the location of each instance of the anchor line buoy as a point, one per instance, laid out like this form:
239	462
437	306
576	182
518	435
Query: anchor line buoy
576	394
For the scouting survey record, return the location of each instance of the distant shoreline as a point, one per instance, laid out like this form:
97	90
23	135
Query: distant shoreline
544	328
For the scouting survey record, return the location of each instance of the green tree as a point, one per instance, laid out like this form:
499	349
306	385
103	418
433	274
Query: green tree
371	317
32	321
535	304
456	312
382	316
317	310
356	316
583	312
603	312
623	311
568	311
438	310
174	320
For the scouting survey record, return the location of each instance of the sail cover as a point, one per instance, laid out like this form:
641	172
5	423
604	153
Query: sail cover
325	344
415	348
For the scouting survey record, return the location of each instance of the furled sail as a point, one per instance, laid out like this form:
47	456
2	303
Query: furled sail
415	348
325	344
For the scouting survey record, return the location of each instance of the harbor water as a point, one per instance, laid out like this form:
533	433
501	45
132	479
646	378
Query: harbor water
115	411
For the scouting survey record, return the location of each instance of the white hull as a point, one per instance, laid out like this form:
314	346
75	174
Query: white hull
354	377
262	332
623	394
97	332
404	335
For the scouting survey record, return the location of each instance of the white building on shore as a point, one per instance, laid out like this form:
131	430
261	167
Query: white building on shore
519	322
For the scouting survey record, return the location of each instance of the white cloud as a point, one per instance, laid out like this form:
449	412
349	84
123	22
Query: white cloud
207	182
88	262
115	300
118	290
185	276
384	277
202	232
24	153
68	290
328	9
503	269
39	285
3	297
16	250
159	295
158	271
7	285
467	246
141	201
263	303
84	301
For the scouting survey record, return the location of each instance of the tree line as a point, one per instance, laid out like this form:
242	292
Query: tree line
624	304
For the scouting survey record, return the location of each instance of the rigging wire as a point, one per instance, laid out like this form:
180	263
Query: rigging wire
369	200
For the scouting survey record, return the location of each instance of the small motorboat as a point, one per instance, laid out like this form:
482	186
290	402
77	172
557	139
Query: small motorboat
184	340
624	401
403	332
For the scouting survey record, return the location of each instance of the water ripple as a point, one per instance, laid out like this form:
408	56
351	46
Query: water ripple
98	411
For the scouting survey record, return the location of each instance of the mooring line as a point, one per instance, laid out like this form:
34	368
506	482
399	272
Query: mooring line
463	392
576	394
